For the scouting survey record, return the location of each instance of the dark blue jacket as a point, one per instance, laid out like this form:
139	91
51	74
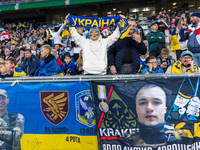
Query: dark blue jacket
156	71
193	44
30	65
69	69
116	53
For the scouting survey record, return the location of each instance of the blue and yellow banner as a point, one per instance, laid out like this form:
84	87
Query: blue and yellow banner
57	115
100	22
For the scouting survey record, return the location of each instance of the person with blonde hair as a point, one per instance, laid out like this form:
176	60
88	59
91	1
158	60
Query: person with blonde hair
48	65
177	45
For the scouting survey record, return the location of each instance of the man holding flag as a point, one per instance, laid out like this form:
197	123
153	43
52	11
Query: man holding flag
95	49
193	36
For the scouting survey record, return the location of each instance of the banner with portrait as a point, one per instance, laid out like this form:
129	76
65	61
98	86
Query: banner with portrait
148	114
57	115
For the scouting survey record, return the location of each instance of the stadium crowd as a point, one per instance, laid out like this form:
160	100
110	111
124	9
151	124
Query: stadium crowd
32	50
18	1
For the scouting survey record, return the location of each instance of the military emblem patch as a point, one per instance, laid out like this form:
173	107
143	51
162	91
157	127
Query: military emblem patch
84	108
54	106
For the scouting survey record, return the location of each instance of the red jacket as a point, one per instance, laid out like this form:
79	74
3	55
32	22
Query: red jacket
59	62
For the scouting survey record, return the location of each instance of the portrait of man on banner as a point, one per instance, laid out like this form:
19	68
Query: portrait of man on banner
151	109
11	125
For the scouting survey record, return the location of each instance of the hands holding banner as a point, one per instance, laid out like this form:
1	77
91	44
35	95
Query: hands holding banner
80	21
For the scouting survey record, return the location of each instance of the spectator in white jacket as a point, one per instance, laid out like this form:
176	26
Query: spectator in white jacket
56	35
94	49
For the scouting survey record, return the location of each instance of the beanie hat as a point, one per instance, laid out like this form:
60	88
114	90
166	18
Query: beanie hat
197	14
94	29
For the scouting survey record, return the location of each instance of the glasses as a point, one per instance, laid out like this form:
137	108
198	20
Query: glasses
153	62
2	98
187	58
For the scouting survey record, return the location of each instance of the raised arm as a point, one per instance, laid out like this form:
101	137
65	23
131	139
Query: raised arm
60	29
113	37
51	32
80	40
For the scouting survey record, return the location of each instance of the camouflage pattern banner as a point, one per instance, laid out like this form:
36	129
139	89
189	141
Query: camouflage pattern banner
47	116
148	114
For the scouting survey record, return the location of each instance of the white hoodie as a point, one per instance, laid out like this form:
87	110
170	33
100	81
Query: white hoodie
94	52
56	35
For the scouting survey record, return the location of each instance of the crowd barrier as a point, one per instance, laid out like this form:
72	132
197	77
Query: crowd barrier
107	112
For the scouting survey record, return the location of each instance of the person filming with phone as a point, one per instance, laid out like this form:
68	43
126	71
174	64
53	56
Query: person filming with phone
124	55
184	65
193	36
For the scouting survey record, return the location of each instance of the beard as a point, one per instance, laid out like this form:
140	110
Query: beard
188	65
195	22
130	32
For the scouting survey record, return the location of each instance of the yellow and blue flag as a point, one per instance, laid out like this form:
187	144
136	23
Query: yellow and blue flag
100	22
174	41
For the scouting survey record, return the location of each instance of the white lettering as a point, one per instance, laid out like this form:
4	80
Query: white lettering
198	146
114	147
119	147
117	133
124	132
108	147
110	132
169	147
188	147
103	132
193	146
174	147
104	146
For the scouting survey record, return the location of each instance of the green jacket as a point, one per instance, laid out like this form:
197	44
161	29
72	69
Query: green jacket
153	42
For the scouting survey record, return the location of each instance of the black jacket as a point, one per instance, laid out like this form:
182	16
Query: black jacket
30	65
116	53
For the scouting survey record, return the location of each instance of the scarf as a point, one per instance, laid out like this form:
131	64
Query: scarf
100	22
177	68
195	30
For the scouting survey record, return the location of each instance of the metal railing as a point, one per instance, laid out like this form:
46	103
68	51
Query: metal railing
122	78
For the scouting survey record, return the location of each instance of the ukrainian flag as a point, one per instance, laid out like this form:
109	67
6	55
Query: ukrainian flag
174	41
65	32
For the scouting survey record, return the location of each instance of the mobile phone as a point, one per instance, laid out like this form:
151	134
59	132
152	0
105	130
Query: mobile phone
135	31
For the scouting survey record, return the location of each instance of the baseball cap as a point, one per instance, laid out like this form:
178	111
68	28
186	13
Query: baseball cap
67	54
187	53
154	23
3	92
